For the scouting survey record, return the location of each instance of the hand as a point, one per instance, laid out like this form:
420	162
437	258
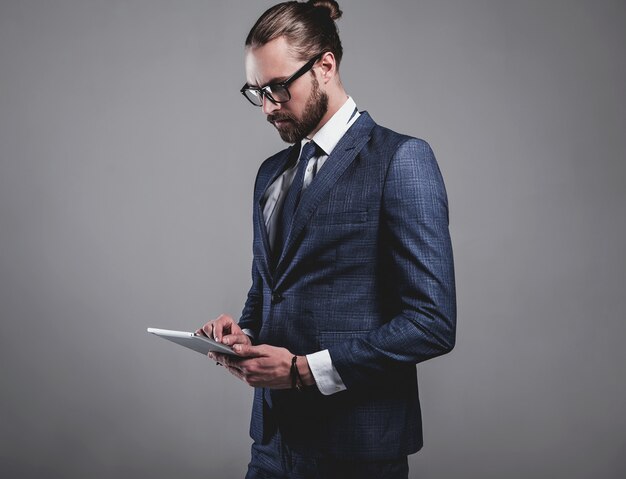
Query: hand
264	366
225	330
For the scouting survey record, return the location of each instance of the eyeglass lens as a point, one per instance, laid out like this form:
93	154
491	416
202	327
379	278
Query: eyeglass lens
276	93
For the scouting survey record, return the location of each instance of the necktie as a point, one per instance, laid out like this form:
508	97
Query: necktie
292	199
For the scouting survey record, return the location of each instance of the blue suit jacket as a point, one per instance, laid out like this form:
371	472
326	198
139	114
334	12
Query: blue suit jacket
366	273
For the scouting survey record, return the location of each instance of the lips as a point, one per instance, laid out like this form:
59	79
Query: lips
279	123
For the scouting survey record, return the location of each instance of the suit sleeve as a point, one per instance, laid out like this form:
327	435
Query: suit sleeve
417	251
251	314
252	311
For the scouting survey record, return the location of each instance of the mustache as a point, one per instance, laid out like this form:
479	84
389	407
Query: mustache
278	117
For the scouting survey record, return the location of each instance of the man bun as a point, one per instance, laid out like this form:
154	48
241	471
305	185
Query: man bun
309	28
330	5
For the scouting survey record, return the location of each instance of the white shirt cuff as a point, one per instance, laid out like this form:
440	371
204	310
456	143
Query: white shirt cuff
326	376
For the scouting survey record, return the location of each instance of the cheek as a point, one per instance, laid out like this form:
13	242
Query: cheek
297	104
291	108
300	93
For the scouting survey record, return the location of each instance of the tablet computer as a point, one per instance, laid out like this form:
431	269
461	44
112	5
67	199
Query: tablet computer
201	344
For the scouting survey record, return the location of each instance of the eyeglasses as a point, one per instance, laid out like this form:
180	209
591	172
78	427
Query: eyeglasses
276	92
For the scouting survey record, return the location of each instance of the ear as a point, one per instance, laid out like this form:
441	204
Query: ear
327	67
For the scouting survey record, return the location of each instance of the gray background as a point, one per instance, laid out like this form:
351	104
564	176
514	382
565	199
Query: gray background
127	160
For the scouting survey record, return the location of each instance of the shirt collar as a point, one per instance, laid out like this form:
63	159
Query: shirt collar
329	135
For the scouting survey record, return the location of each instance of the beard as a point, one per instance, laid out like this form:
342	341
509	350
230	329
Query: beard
314	110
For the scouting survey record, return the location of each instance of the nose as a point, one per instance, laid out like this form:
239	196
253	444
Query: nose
269	106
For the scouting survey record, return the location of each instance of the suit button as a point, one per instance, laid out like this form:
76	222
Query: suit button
277	298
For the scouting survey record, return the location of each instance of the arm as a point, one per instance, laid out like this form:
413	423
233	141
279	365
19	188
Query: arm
251	314
262	365
418	253
226	330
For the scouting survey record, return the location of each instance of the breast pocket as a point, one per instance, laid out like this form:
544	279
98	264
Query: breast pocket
353	234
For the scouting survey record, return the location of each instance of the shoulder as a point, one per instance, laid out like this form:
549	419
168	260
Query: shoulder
395	141
396	147
407	160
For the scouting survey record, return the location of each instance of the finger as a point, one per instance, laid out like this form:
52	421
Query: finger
237	373
221	326
202	331
216	357
236	338
248	351
206	330
228	360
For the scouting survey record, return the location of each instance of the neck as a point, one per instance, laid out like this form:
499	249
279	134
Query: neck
336	99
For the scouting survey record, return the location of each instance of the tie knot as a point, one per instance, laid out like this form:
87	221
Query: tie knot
308	151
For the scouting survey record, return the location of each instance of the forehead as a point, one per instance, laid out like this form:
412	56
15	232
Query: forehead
270	63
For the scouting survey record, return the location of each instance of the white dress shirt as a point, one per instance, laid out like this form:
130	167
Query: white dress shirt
326	375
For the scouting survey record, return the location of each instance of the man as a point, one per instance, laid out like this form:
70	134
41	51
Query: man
352	276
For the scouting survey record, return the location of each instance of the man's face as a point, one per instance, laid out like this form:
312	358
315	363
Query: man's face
297	118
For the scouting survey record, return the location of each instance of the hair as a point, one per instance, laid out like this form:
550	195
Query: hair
309	28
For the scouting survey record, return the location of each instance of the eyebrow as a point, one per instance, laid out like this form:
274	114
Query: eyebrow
272	81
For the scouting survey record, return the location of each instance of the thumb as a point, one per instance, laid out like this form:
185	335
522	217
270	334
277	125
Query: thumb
248	351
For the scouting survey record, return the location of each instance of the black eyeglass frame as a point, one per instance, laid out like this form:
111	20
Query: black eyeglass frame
265	91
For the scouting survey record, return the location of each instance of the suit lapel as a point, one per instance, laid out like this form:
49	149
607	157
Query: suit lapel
341	157
265	269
